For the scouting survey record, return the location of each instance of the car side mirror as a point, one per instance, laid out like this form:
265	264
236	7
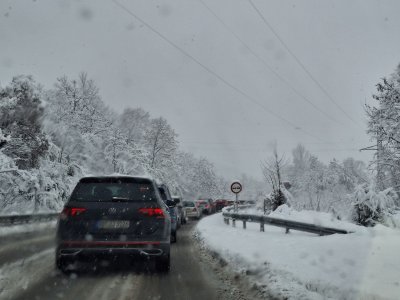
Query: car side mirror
170	203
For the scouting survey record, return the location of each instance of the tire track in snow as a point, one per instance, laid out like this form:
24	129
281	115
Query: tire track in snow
122	287
18	276
12	252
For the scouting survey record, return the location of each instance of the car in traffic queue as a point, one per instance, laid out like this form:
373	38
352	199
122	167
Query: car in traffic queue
172	209
107	217
220	204
182	213
207	206
191	210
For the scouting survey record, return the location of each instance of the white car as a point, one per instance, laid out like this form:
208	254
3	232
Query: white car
192	211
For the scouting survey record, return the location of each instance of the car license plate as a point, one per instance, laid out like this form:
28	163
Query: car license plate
113	224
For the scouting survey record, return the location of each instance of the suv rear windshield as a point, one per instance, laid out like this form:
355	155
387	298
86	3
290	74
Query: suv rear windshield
113	189
188	204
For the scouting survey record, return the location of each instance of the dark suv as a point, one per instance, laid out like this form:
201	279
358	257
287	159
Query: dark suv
114	216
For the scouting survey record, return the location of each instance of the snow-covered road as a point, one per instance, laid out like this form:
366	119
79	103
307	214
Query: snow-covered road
362	265
27	272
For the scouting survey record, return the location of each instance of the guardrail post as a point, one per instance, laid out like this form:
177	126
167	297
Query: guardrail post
244	224
233	222
262	226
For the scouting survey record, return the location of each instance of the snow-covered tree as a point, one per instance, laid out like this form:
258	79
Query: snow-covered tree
78	104
161	142
133	124
79	123
272	170
301	162
82	135
317	186
20	120
206	179
384	129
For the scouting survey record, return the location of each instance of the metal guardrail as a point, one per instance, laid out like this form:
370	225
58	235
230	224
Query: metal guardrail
287	224
26	219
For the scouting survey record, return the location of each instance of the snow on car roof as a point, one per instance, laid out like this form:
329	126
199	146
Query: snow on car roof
116	175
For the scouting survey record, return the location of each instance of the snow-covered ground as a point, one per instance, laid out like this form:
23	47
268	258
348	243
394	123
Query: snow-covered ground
361	265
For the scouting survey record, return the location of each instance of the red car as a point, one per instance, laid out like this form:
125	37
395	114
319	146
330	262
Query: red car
207	206
220	204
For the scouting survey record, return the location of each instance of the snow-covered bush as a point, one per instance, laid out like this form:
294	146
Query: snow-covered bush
45	188
370	207
278	198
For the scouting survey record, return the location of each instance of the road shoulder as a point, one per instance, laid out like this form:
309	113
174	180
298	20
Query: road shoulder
230	284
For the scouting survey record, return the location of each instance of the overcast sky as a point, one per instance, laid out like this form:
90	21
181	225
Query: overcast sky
229	90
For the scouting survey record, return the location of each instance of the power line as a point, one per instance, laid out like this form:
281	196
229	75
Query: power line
324	91
262	149
258	143
267	65
232	86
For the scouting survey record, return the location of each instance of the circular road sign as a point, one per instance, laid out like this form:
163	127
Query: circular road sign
236	187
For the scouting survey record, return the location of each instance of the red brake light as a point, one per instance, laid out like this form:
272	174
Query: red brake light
71	211
75	211
152	212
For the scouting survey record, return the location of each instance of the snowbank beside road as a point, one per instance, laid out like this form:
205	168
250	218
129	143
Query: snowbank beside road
25	228
362	265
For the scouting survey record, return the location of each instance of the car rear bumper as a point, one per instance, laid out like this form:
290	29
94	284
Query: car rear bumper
82	249
192	214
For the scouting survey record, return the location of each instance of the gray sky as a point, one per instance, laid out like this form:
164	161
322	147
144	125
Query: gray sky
346	45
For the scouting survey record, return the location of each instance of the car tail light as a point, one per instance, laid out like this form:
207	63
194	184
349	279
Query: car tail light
71	211
152	212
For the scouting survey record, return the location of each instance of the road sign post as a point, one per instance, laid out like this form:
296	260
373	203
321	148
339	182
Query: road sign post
236	203
236	188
